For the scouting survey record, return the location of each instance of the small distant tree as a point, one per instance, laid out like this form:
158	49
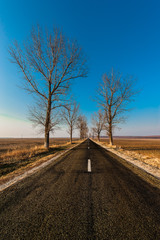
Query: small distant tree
82	126
114	95
98	122
93	132
70	115
49	62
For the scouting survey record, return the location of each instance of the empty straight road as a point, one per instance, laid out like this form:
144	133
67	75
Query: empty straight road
86	194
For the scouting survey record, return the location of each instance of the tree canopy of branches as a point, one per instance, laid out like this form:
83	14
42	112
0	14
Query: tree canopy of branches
49	62
98	122
70	115
37	115
114	95
82	126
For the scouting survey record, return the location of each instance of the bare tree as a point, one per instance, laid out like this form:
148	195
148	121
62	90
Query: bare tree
98	122
49	62
114	95
82	126
70	115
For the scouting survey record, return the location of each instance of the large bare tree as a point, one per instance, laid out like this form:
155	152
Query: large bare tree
70	115
98	122
114	95
82	126
49	62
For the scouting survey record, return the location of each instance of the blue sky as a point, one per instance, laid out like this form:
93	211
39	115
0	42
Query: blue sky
122	34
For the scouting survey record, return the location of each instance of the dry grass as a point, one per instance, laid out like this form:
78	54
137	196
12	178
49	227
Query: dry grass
9	144
145	150
17	153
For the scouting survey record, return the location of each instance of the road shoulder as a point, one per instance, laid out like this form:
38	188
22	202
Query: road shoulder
148	173
24	172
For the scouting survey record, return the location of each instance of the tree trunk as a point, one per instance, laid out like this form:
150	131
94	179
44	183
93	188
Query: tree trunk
47	124
81	133
71	135
47	130
98	137
110	127
110	135
46	140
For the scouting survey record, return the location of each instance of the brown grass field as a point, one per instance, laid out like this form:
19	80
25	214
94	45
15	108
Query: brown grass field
144	149
16	153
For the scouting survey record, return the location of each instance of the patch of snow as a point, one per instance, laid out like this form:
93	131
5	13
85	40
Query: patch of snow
154	171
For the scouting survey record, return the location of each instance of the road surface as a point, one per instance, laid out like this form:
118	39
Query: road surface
86	194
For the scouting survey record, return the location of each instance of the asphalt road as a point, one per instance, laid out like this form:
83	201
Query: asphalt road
65	201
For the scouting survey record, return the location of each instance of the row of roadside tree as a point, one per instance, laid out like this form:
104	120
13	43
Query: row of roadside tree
49	63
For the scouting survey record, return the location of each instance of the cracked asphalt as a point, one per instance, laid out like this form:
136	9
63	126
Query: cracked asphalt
65	201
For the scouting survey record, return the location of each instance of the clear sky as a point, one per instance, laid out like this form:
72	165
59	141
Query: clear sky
122	34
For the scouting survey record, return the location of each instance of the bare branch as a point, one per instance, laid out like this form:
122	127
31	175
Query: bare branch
98	122
70	115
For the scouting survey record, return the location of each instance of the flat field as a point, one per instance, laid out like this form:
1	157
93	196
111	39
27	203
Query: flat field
16	152
8	144
145	149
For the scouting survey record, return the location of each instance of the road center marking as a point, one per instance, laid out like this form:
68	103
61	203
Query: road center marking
89	165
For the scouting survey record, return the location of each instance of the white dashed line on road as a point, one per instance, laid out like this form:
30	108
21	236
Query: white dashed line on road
89	165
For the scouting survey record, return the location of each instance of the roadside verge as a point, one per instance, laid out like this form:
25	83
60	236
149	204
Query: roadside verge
152	171
25	172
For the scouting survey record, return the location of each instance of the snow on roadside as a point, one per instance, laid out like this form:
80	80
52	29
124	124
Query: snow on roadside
148	165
